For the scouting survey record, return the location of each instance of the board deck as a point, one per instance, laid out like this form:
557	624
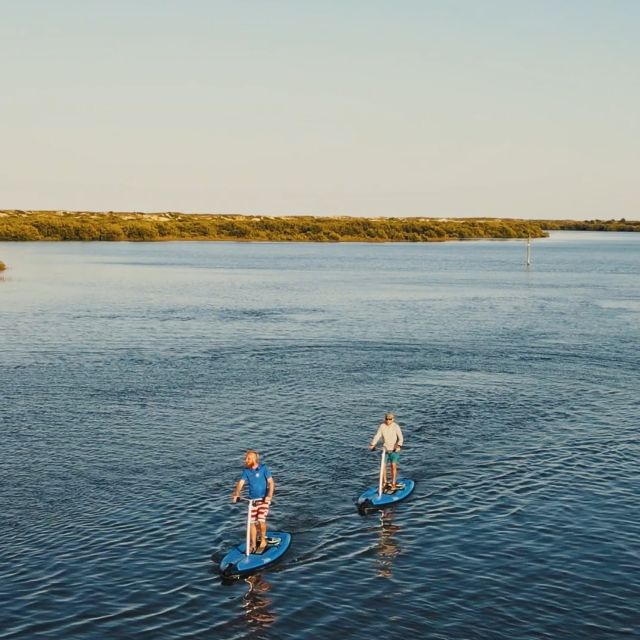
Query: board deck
369	500
237	563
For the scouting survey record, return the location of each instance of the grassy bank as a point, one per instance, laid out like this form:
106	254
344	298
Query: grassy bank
88	226
56	225
590	225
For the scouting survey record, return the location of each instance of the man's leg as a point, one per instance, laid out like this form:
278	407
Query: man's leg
394	473
387	477
252	537
262	524
263	512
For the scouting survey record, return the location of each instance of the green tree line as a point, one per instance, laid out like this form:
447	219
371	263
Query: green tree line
590	225
89	226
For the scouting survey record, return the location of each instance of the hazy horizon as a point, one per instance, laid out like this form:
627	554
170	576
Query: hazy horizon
451	109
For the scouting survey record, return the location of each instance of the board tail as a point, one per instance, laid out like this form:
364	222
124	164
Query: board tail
365	506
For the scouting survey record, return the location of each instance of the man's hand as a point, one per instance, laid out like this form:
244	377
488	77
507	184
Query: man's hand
268	500
234	497
372	447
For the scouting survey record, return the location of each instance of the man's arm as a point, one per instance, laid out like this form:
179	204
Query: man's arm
236	492
271	487
400	437
377	437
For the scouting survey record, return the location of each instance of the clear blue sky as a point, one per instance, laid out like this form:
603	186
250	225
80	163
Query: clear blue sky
506	108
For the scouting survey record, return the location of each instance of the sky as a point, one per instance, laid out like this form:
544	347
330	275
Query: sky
449	108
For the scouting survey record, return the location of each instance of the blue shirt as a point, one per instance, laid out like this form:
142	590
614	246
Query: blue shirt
256	479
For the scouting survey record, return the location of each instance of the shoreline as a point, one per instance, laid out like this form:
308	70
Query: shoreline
56	226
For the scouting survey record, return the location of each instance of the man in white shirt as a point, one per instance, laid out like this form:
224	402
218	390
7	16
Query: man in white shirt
392	440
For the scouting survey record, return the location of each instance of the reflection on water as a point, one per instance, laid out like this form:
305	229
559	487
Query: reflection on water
387	548
257	605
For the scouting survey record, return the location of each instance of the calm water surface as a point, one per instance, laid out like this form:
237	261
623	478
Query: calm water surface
134	376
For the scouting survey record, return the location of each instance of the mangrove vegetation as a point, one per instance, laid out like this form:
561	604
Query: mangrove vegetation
144	227
57	225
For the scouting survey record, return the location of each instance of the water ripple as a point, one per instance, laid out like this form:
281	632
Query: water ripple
131	391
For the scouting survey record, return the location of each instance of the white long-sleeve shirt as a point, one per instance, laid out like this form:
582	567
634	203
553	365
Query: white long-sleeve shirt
391	435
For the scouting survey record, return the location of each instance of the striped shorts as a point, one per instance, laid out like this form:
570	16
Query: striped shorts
259	511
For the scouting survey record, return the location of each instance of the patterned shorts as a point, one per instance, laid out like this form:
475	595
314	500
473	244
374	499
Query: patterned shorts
259	511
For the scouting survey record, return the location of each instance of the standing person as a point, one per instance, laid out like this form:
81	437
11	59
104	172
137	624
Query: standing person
261	487
392	441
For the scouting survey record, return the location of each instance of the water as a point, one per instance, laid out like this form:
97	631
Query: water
134	376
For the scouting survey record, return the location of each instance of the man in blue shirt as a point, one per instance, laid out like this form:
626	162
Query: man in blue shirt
261	487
